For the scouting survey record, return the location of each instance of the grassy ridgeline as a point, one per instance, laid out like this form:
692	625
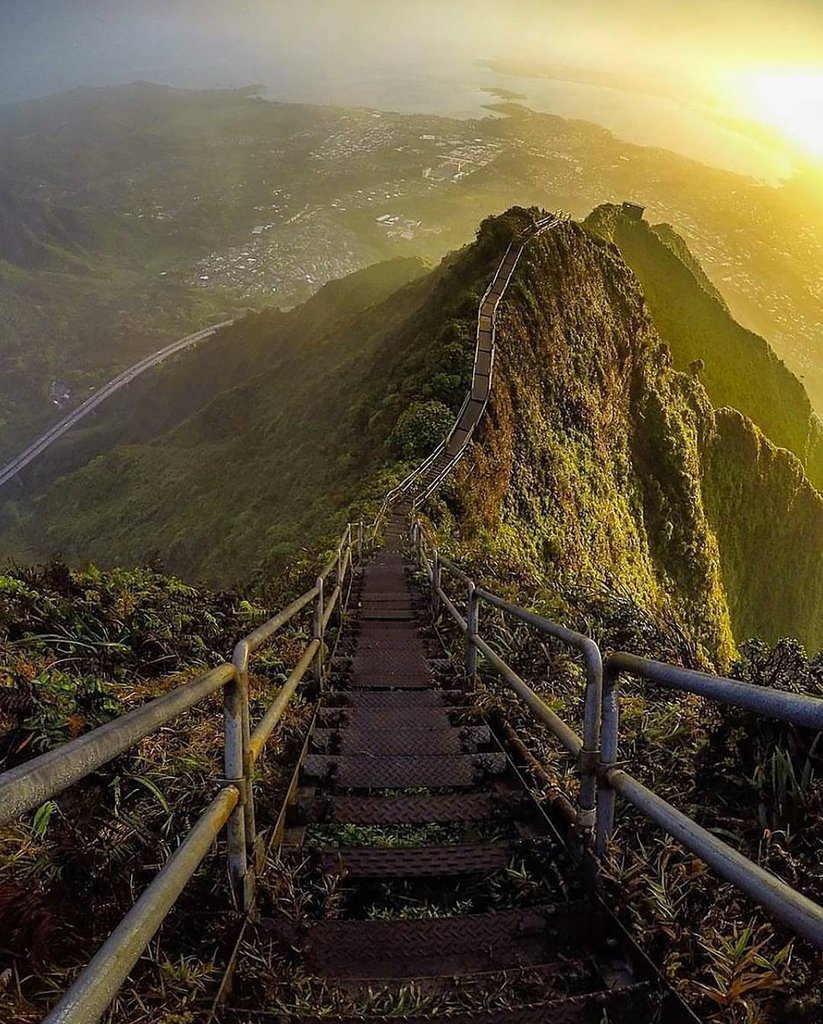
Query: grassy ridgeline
738	369
600	467
604	470
257	447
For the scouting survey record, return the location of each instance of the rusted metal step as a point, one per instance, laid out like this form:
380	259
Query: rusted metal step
638	1004
389	720
441	947
358	742
449	772
416	861
387	613
402	809
395	699
349	742
380	678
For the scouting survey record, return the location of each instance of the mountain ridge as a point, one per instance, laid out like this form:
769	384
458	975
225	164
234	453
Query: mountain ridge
738	367
621	458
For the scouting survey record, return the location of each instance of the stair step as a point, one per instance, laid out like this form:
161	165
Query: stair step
441	947
398	772
402	809
416	861
356	742
642	1003
389	699
387	613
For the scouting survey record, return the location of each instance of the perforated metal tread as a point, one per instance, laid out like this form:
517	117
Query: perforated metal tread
637	1004
402	809
417	862
438	947
398	772
411	716
389	699
359	742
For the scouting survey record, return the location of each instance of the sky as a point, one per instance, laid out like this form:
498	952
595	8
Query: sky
735	83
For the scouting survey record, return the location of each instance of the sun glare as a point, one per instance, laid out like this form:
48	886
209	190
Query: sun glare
791	102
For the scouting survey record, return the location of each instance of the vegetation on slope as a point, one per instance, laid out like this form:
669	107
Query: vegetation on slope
77	649
736	366
768	520
601	490
265	470
599	465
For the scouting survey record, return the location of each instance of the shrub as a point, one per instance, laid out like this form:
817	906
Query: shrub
421	428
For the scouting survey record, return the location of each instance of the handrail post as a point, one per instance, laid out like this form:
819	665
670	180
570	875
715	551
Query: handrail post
360	542
317	633
418	542
341	558
234	696
435	588
589	757
472	624
240	660
608	756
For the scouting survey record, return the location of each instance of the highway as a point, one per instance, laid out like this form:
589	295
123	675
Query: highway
106	391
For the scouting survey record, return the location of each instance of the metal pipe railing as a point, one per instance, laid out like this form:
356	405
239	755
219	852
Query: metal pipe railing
589	755
26	787
799	709
267	723
790	906
87	999
601	778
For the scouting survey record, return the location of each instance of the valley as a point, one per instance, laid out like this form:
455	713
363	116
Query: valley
166	210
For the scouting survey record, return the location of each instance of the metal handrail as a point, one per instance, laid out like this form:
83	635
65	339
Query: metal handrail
770	892
585	750
589	753
30	784
27	786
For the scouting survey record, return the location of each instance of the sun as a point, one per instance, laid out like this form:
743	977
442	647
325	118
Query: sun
789	102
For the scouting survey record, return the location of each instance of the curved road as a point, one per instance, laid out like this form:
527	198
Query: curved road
106	391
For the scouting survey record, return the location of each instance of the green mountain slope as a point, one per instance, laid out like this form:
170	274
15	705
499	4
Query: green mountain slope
738	369
267	467
599	469
179	387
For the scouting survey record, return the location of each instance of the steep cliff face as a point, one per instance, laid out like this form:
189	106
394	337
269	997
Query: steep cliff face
738	367
600	467
768	521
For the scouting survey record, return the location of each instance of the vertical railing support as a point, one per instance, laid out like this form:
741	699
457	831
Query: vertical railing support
472	624
589	758
360	543
608	756
435	594
341	558
240	660
235	695
318	632
418	543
